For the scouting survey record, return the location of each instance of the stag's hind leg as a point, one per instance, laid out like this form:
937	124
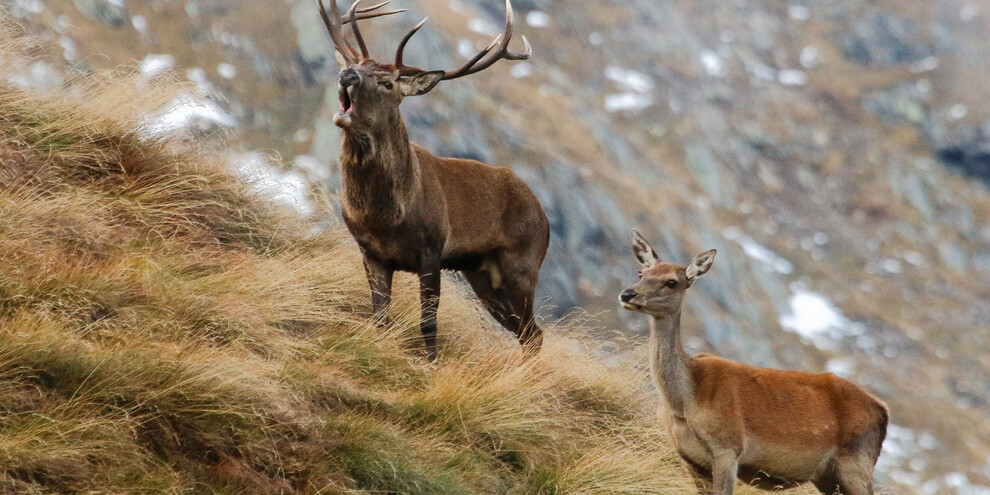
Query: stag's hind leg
529	333
493	300
519	276
510	306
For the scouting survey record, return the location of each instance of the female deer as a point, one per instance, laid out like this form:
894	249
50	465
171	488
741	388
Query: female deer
769	427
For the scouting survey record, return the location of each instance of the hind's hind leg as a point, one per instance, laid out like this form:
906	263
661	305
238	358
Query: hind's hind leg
854	472
827	482
702	476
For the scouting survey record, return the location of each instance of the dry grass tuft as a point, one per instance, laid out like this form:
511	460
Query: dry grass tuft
163	330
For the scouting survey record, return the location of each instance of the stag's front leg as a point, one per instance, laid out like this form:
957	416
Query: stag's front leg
429	296
380	280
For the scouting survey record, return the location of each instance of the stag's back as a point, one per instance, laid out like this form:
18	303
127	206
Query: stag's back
487	207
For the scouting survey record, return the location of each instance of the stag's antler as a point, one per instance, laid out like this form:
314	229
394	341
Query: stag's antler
497	50
354	14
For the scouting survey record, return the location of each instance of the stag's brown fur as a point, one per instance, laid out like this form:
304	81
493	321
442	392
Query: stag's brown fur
409	210
768	427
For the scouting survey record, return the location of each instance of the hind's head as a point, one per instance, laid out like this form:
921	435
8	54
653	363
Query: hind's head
661	286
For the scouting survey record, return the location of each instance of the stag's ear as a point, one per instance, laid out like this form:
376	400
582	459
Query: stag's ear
700	265
342	62
420	83
644	253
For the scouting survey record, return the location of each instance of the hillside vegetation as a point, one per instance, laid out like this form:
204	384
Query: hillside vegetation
165	329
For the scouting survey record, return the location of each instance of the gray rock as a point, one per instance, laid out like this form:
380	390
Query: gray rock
886	39
103	11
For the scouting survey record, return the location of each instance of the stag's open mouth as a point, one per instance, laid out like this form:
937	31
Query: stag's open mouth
343	117
346	103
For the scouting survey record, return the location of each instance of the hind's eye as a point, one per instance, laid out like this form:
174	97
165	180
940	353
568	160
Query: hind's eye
671	283
640	274
386	84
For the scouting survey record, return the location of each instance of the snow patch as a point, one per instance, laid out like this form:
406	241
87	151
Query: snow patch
289	188
798	12
762	71
758	252
813	317
810	56
465	48
957	111
968	12
482	26
792	77
629	79
841	367
902	456
313	166
40	75
538	19
69	51
521	70
924	65
140	24
712	63
226	70
156	63
30	6
627	102
186	112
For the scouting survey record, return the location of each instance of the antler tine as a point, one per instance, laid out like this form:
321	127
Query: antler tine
487	57
351	16
480	61
405	70
333	27
364	13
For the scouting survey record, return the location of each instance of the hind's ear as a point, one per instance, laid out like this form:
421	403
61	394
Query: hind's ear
700	265
644	253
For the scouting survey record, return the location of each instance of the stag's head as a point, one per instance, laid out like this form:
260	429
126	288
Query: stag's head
370	92
661	286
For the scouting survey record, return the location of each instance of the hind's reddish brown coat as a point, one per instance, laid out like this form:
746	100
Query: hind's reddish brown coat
768	427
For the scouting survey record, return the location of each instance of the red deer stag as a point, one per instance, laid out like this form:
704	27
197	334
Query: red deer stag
409	210
768	427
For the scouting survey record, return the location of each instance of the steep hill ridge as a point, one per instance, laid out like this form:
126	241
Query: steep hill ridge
165	329
832	151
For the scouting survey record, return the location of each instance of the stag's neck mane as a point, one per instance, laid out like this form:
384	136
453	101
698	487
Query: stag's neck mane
669	362
380	172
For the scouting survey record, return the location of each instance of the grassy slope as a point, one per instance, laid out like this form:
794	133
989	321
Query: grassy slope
163	329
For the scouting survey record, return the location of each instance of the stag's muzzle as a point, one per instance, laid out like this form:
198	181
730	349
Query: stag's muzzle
348	80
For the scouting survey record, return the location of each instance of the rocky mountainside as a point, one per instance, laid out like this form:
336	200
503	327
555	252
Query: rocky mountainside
836	153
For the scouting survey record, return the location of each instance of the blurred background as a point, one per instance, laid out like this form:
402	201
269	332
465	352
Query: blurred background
835	152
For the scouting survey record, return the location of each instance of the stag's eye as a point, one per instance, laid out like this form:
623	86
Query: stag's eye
639	274
671	283
386	84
